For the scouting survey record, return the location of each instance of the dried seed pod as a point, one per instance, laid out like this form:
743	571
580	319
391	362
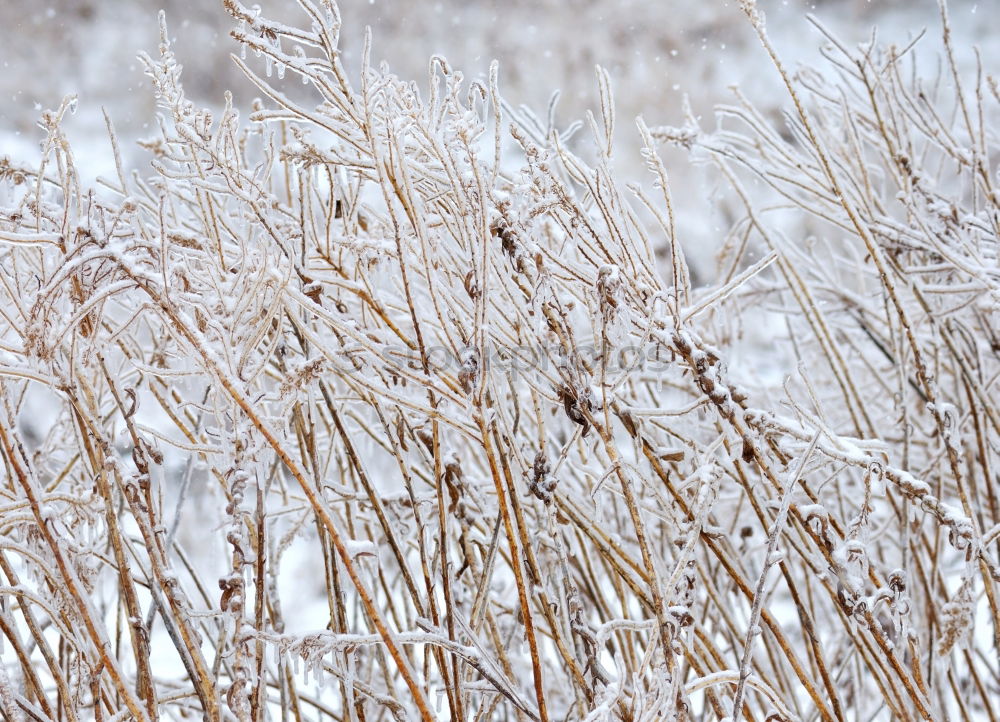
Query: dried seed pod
897	581
468	375
630	423
508	240
609	287
670	454
541	485
471	287
573	404
453	480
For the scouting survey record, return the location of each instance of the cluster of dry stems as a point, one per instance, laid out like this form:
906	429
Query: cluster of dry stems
293	359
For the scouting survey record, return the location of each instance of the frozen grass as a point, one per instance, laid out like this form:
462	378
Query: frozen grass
404	347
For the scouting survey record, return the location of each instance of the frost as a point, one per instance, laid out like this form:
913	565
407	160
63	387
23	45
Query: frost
357	548
399	401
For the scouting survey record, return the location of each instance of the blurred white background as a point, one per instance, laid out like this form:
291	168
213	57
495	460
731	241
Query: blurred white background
656	52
